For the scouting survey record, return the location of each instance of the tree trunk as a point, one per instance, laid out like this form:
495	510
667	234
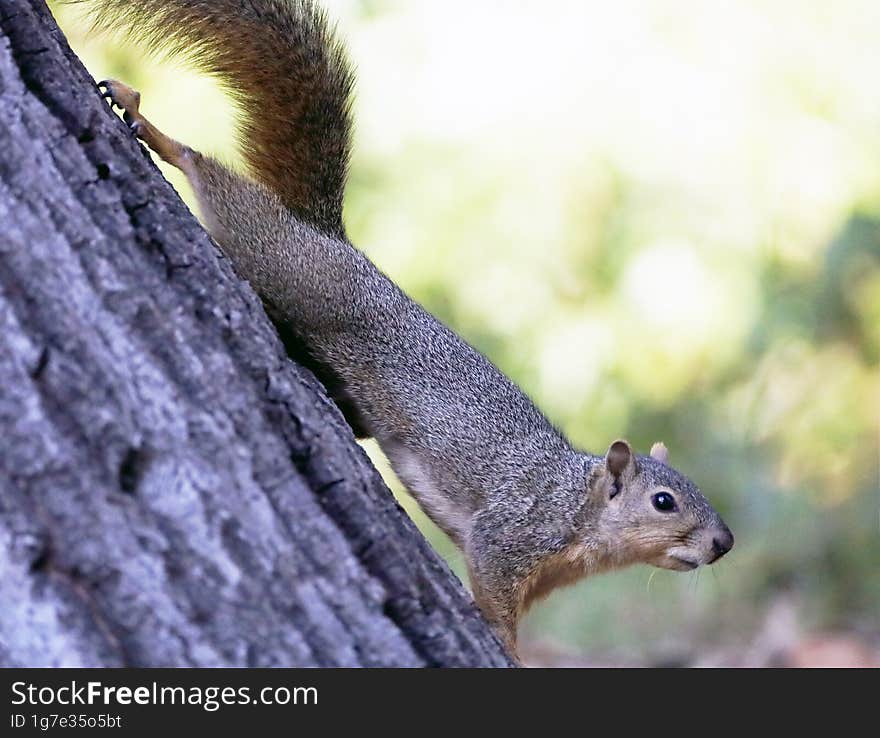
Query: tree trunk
173	490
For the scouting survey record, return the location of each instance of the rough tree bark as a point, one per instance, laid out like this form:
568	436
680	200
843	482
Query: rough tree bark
173	490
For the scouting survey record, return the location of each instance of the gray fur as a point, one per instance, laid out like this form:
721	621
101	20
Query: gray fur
483	461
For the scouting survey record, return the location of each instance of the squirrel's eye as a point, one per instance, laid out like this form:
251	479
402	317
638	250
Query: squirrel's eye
664	502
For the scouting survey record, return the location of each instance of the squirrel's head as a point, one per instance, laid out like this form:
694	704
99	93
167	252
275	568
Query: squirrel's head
649	513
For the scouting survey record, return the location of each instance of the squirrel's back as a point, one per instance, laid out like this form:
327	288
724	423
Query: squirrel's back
289	75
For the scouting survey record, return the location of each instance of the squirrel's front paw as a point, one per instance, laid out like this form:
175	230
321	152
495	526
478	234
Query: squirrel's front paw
126	99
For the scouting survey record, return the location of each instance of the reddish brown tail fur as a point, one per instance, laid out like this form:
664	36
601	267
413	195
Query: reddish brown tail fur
280	61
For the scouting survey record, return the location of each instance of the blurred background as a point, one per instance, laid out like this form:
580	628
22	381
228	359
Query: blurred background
662	219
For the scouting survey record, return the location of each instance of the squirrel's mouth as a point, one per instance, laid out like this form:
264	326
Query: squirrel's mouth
679	563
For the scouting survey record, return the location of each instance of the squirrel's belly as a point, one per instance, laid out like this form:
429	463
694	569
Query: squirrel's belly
453	519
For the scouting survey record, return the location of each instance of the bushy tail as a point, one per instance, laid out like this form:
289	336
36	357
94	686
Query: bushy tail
290	76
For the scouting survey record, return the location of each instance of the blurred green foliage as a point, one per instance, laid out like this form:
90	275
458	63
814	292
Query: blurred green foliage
663	221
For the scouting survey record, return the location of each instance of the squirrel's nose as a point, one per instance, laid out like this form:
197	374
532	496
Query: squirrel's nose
722	542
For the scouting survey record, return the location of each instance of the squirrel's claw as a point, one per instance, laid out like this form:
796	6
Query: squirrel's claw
106	88
121	96
124	98
107	94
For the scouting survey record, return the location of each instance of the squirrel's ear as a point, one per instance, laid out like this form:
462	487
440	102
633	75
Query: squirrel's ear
660	452
618	458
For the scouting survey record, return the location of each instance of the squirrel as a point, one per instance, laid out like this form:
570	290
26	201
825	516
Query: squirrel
529	511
